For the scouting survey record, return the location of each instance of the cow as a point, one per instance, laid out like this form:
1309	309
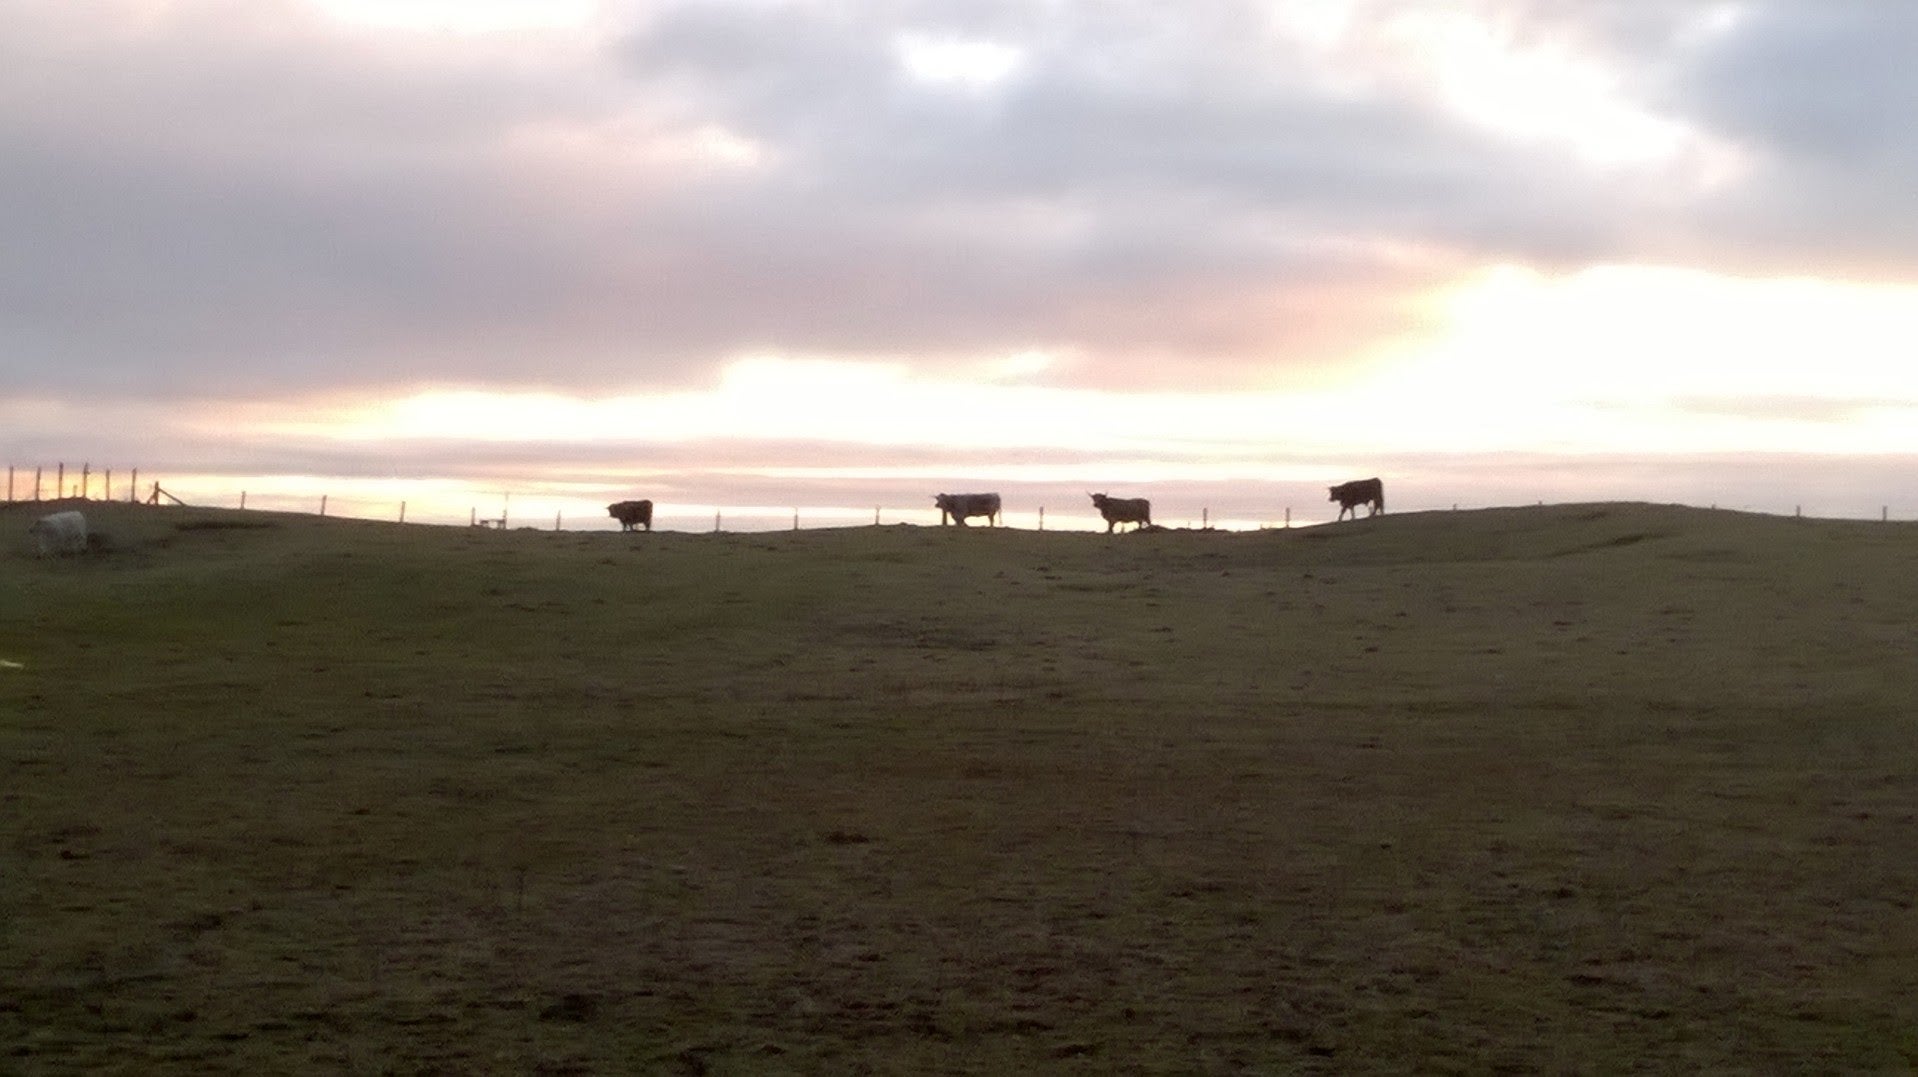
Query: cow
956	507
1350	495
632	514
61	533
1136	511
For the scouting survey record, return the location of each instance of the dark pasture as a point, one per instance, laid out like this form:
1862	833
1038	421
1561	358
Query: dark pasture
1578	788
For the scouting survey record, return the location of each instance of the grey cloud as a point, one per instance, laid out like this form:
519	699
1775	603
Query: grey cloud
1815	82
1813	95
1791	408
225	199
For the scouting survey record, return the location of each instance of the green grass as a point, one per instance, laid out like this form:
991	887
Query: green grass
1580	788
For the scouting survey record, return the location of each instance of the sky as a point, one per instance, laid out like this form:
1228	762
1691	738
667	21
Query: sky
755	255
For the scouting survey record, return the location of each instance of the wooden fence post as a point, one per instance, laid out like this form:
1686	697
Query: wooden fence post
715	521
795	519
60	482
107	494
322	504
243	500
402	512
1042	517
86	481
133	491
9	482
1288	516
875	516
556	513
1205	517
36	483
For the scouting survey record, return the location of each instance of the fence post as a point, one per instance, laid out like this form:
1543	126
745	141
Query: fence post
86	481
9	482
715	521
107	494
1288	516
1205	517
60	482
243	501
402	512
1042	517
473	520
1884	513
133	491
556	513
875	516
795	519
322	504
36	483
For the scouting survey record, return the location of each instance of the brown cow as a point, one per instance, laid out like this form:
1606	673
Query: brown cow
1350	495
632	514
957	507
1136	511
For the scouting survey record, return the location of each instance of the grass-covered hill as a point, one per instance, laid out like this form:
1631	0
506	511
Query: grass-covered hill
1574	788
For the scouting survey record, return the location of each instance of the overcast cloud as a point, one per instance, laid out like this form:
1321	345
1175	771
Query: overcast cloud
248	198
244	200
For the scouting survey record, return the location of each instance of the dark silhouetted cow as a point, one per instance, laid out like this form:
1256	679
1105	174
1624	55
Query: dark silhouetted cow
1350	495
632	514
1136	511
956	507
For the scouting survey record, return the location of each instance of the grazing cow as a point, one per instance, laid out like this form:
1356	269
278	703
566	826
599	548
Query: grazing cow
632	514
957	507
1350	495
1136	511
61	532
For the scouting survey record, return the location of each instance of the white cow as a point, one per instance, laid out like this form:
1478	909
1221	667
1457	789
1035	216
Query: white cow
62	532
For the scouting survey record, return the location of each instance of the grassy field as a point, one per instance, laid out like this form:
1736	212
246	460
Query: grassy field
1580	788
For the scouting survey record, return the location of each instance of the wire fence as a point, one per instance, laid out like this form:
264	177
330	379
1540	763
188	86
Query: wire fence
61	482
84	482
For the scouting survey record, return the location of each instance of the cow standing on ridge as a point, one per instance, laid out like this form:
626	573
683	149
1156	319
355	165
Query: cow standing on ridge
632	514
1350	495
956	507
1136	511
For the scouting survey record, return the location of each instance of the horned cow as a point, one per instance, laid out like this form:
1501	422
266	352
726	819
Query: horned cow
1350	495
956	507
632	514
1136	511
60	533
